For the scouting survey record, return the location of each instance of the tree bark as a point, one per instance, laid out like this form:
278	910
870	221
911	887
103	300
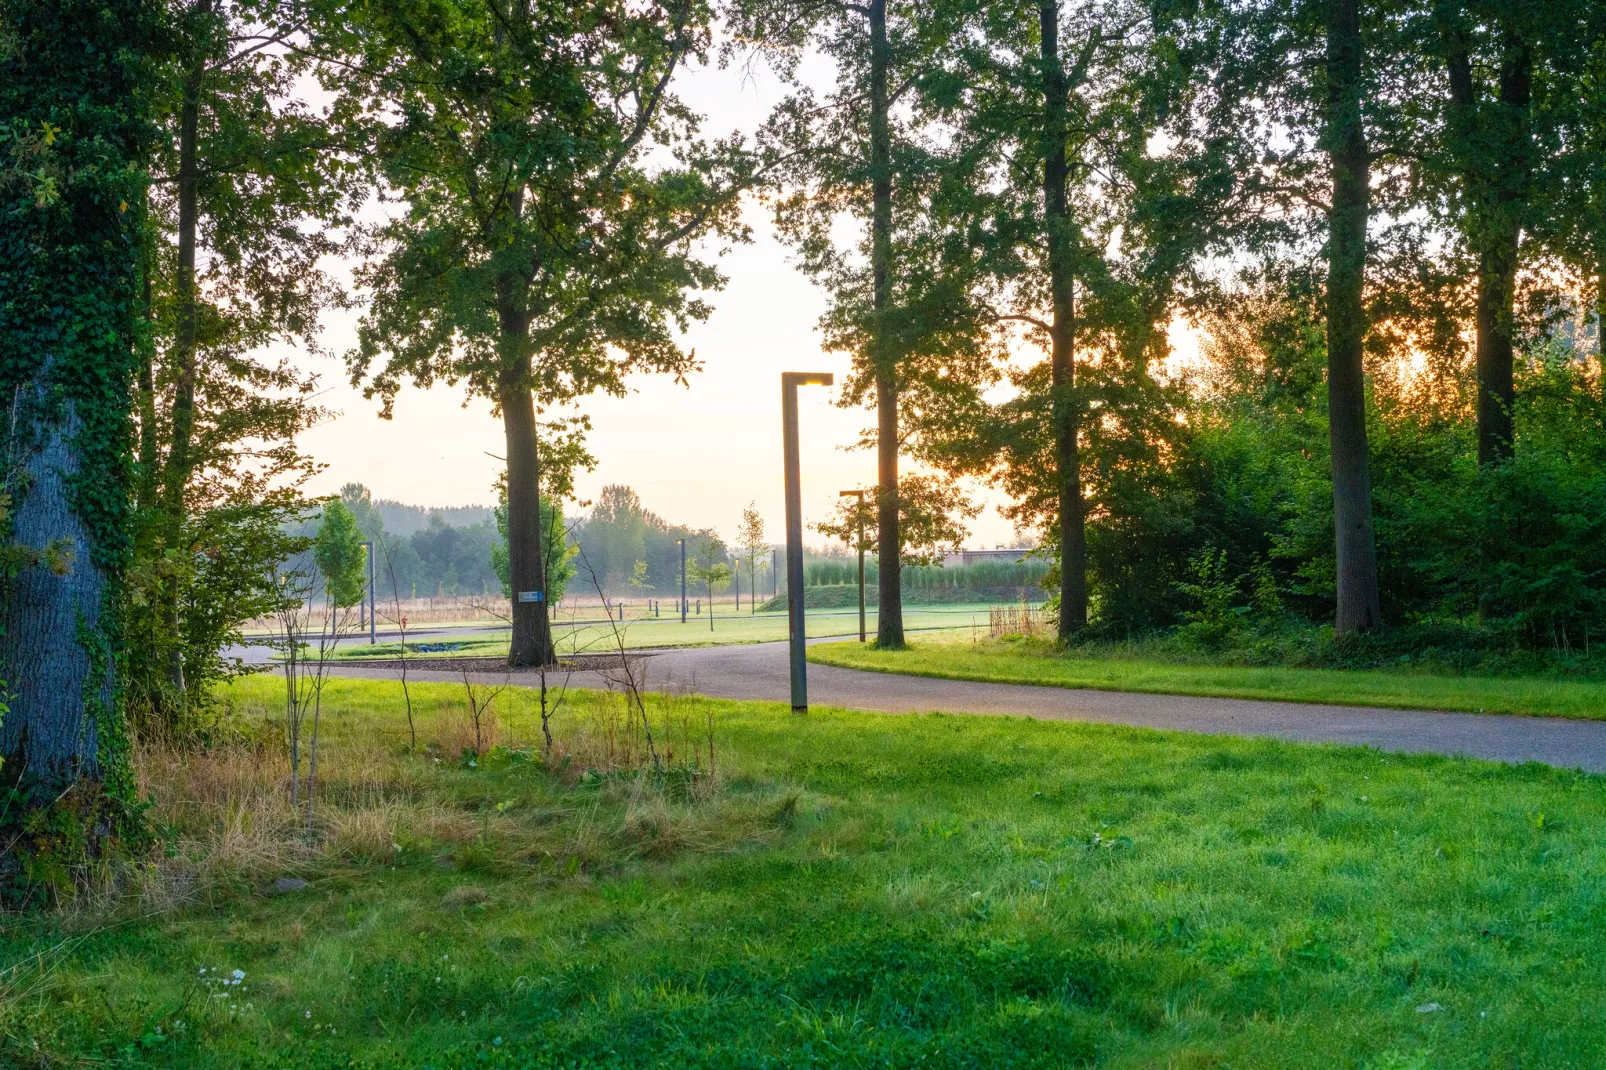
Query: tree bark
70	279
1359	606
526	567
1065	414
889	621
1494	145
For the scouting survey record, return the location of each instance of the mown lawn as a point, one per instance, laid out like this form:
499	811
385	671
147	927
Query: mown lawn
849	890
593	636
1036	663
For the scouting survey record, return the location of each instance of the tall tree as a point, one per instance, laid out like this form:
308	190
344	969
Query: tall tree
540	256
1344	137
851	157
1083	236
247	183
74	126
1497	163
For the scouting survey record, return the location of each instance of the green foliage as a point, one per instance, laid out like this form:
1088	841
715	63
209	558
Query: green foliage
620	532
557	552
340	555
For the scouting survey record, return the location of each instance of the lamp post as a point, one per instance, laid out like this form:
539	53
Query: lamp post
682	580
858	512
790	381
370	604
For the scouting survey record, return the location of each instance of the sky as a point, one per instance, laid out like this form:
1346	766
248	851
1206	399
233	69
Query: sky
697	454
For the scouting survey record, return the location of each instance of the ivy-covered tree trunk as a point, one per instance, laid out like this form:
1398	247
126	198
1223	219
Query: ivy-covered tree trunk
71	107
1359	608
889	619
1061	239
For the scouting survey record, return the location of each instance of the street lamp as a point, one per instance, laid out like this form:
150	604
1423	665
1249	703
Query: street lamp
790	381
858	512
682	580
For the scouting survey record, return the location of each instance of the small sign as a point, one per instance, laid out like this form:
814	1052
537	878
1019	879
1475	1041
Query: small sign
529	596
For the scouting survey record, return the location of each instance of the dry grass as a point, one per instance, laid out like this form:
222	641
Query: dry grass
626	781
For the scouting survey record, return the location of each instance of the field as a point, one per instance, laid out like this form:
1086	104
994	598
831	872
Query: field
585	631
954	658
842	890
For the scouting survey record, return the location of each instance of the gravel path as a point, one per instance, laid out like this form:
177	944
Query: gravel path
759	671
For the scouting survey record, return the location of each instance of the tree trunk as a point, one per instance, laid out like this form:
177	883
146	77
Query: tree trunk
1061	237
526	568
148	450
69	276
1359	607
1600	305
1495	151
889	625
176	473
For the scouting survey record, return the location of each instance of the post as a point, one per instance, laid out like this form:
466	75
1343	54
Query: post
858	512
373	604
365	608
682	581
790	381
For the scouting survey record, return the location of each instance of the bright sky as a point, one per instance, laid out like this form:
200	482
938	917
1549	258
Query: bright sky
696	454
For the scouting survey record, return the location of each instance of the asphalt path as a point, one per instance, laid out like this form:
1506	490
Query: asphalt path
759	671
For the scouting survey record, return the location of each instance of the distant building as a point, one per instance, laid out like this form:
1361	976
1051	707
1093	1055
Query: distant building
976	557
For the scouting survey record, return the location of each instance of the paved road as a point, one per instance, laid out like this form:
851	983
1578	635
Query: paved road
759	671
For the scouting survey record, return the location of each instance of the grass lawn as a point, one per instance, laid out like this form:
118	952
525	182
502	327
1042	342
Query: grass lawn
841	890
590	635
1037	663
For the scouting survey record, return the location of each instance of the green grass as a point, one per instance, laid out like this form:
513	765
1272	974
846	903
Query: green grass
1037	663
649	632
867	890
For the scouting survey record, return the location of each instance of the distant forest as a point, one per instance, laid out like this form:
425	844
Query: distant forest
430	552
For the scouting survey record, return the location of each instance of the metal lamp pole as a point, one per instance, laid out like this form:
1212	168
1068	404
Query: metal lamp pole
682	581
371	604
790	381
859	513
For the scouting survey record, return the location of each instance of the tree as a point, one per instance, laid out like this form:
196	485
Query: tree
850	156
1084	237
750	543
74	127
711	569
1491	168
340	555
247	184
933	514
540	256
1359	605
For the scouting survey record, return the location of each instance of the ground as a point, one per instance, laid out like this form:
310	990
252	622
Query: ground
841	889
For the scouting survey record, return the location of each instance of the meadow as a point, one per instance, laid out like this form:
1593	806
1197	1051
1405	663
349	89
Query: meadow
584	631
842	889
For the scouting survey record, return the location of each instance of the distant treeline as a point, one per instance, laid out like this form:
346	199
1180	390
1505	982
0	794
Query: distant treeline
989	574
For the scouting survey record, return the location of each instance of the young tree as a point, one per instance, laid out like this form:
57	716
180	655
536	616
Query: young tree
74	127
750	543
341	557
543	252
934	511
711	569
